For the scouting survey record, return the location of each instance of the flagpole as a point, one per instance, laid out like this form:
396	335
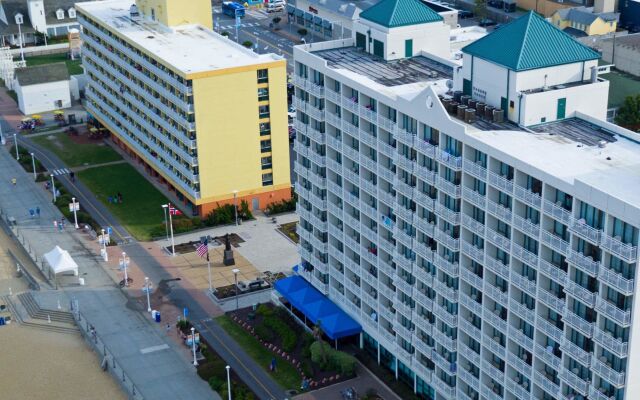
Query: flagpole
209	268
173	245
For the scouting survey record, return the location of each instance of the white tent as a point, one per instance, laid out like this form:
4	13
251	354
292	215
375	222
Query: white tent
60	261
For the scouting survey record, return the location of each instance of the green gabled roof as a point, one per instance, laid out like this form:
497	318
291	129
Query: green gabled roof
530	42
395	13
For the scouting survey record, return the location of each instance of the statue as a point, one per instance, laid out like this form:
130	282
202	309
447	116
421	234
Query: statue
228	252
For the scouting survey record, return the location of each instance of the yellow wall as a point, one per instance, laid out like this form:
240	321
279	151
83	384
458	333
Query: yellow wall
598	27
228	138
179	12
544	7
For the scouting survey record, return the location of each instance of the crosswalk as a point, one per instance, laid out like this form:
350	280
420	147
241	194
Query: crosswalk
233	26
60	171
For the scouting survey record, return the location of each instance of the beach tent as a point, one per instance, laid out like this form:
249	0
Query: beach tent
60	261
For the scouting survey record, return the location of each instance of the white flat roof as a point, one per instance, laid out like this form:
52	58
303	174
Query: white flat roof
188	48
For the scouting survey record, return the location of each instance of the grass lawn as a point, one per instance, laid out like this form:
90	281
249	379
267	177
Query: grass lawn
74	154
621	85
286	375
140	209
72	65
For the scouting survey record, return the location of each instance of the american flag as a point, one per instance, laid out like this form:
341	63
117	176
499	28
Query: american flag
174	211
203	249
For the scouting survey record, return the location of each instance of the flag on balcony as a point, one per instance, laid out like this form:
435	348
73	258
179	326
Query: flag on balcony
174	211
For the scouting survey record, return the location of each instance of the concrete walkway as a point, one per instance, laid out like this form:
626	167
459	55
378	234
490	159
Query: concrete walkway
165	374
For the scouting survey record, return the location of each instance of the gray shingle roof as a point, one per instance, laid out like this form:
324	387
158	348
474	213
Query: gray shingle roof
51	6
46	73
584	15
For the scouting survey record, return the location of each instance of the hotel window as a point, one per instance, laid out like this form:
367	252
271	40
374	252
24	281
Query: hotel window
72	13
267	179
263	76
263	94
266	162
265	146
263	111
265	129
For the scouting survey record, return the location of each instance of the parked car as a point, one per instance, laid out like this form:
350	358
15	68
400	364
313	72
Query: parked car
486	22
464	14
275	7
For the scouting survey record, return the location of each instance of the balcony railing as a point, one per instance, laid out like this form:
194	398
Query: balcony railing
545	382
473	197
550	330
501	182
497	267
602	368
499	240
581	228
578	323
581	293
576	352
616	280
573	380
615	246
523	283
449	188
611	311
448	159
526	226
519	364
451	268
548	356
448	214
583	262
606	340
474	169
499	210
557	212
520	338
525	255
555	242
553	271
473	225
473	252
493	344
528	197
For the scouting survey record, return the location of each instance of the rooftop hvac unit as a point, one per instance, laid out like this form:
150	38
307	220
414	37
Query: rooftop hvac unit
498	115
488	112
472	103
480	108
460	111
457	95
464	99
453	107
470	115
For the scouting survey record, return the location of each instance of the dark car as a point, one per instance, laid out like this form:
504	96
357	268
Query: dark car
464	14
486	22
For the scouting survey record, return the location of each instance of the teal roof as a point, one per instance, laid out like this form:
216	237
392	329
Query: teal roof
530	42
395	13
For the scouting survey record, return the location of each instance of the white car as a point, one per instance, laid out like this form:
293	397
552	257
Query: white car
275	7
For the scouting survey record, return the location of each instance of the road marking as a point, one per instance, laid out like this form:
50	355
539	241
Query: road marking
153	349
60	171
241	363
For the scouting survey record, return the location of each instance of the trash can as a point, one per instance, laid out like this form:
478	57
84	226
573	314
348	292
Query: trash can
157	316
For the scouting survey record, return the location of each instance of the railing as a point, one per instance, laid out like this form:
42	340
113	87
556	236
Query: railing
616	280
496	294
521	391
425	148
501	182
449	188
581	228
574	381
474	197
471	304
548	356
525	255
555	242
519	364
581	293
368	113
615	246
520	338
553	271
526	226
550	330
108	360
609	374
521	311
492	371
495	320
546	384
488	393
448	159
557	212
578	323
473	252
368	139
450	268
494	345
528	197
498	239
611	311
469	354
575	352
584	262
497	267
332	96
499	210
606	340
523	283
334	142
474	169
446	239
450	215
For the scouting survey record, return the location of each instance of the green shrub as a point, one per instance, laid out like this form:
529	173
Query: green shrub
247	43
339	361
264	333
302	32
245	212
282	330
281	206
216	383
264	310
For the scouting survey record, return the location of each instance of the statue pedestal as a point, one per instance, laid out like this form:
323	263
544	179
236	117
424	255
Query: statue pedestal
228	258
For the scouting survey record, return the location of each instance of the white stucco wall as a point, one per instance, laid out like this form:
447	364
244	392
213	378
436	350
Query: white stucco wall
41	98
556	75
590	99
431	38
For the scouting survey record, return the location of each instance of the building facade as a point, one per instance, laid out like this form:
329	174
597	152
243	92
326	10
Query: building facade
483	259
204	115
43	88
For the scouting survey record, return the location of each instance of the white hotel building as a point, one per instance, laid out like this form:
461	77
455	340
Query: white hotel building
486	257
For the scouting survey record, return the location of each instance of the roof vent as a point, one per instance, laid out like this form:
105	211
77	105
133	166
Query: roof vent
608	158
602	144
133	11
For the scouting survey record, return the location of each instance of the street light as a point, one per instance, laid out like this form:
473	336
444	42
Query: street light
15	140
2	139
193	345
166	226
235	279
53	188
228	368
33	161
105	255
19	21
146	284
75	210
235	205
124	261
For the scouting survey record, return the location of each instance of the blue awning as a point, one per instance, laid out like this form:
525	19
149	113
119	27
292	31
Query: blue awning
290	9
308	17
317	307
299	13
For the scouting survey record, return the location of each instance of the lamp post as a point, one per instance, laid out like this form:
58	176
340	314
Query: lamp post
235	279
15	140
228	368
124	261
53	188
193	345
33	162
104	247
2	139
19	22
173	245
235	205
75	211
146	285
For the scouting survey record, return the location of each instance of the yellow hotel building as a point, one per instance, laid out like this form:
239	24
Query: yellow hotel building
203	114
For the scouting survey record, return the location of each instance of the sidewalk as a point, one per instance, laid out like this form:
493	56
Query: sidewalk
156	365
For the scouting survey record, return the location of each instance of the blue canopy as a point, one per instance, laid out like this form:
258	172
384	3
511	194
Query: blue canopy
317	307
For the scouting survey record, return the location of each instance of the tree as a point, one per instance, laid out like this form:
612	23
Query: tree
629	113
317	335
225	33
480	9
247	43
276	20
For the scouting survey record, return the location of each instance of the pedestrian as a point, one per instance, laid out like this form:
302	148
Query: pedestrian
14	181
168	328
55	224
38	212
72	175
109	199
119	197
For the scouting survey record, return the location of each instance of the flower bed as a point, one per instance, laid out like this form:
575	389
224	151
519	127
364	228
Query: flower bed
274	329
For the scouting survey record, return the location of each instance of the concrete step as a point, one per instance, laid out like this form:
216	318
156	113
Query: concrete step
35	312
51	328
